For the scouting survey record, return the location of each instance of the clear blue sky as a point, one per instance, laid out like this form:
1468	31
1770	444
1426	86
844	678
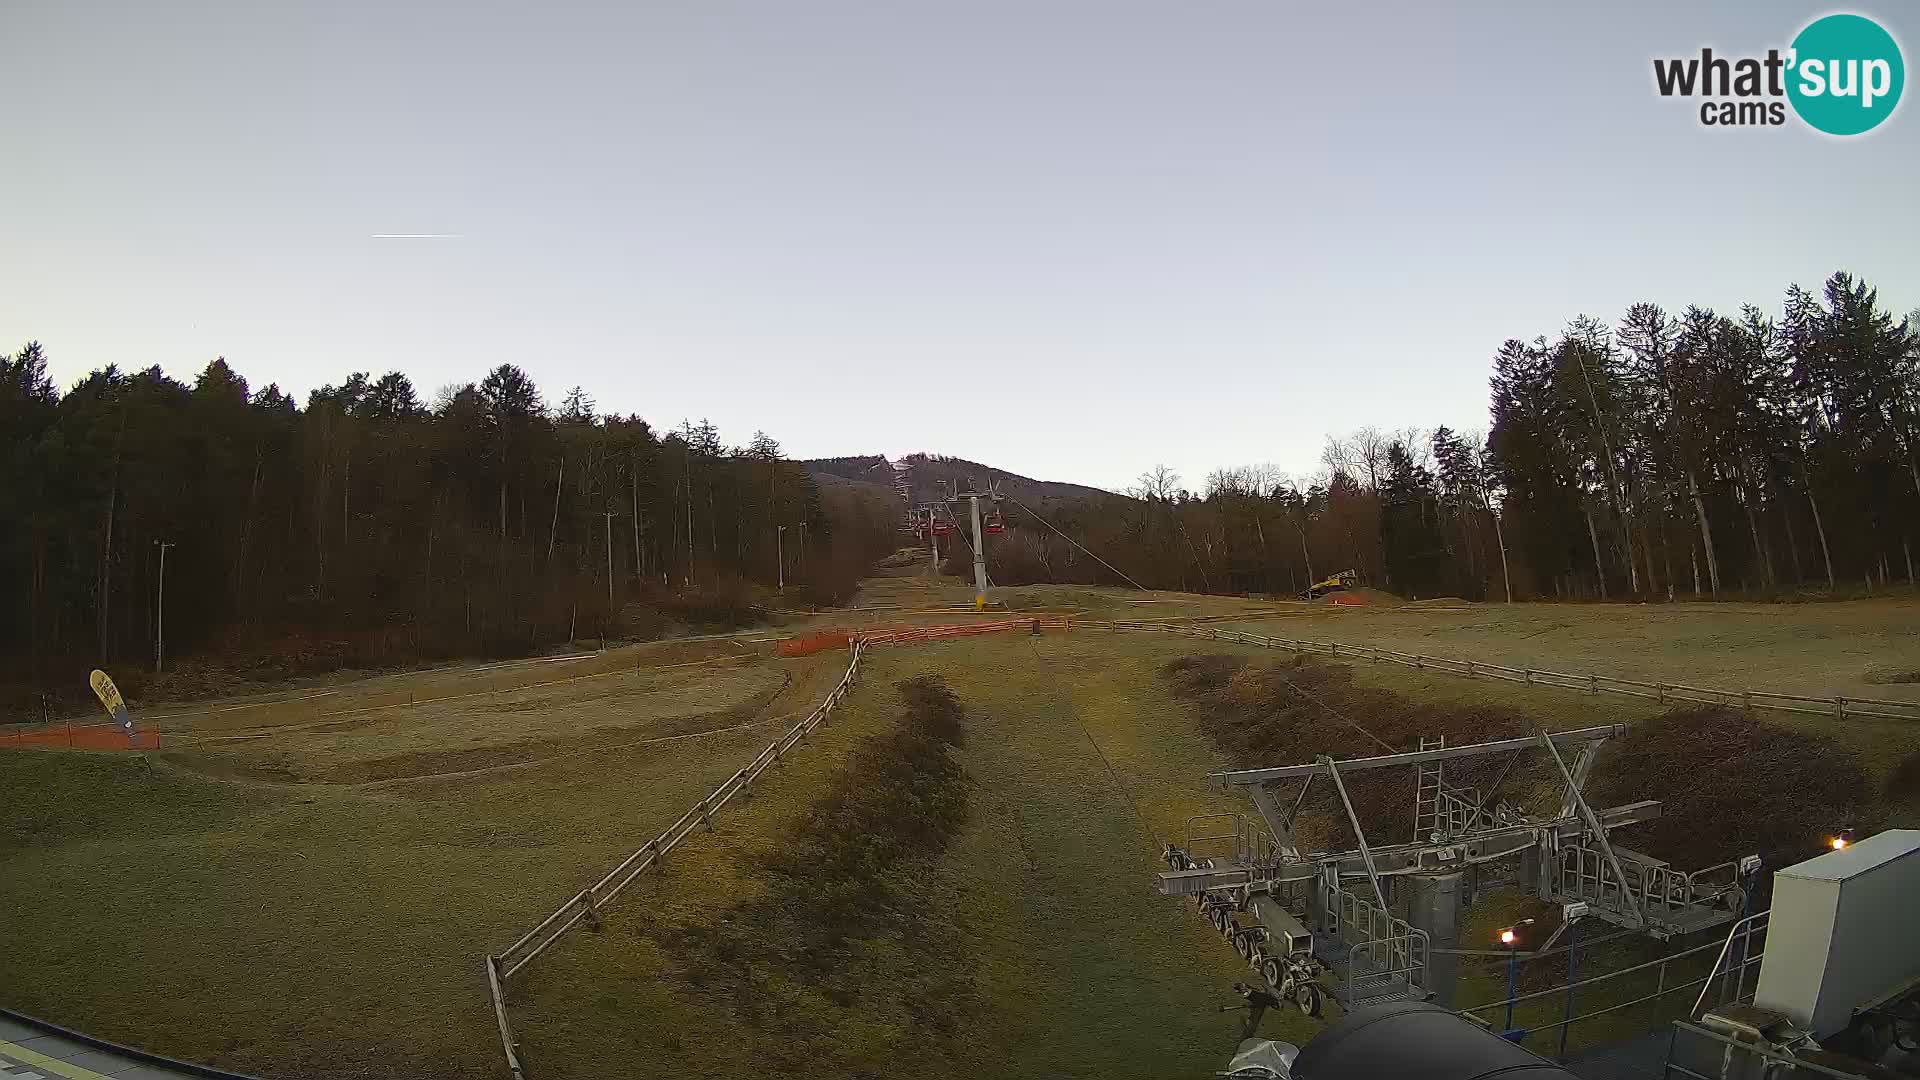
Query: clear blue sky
1199	234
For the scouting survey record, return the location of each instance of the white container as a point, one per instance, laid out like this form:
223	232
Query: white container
1844	934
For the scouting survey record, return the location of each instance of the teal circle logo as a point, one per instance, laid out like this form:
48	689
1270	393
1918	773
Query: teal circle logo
1845	74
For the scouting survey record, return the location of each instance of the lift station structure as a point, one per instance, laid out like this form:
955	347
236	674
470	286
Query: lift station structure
1380	922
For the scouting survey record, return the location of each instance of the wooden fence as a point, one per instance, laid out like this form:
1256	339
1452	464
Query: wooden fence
1841	708
587	904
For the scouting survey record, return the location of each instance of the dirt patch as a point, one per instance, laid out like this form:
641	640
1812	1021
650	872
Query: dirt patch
1366	596
1891	676
221	766
433	762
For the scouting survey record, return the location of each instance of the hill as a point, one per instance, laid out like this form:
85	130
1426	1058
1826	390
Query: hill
921	475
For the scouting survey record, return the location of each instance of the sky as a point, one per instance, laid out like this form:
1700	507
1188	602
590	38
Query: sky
1070	239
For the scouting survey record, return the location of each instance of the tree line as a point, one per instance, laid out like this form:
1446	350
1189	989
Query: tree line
1696	454
368	527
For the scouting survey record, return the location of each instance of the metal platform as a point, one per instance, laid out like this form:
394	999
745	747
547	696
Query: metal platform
1361	951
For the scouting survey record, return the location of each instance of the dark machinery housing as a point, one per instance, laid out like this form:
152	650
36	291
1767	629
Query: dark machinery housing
1417	1041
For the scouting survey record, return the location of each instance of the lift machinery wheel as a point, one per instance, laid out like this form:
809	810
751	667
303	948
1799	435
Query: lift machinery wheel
1307	996
1278	977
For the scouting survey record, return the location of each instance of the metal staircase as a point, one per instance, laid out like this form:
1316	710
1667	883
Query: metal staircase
1374	955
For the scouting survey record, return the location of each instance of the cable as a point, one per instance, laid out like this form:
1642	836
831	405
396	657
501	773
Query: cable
1075	543
1336	713
1458	793
1120	787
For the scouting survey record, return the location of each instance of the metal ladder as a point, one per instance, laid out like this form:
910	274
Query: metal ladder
1426	792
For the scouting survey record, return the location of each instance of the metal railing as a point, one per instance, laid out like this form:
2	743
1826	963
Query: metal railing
1839	707
587	904
1457	810
1702	1054
1582	873
1699	1053
1393	947
1662	988
1737	955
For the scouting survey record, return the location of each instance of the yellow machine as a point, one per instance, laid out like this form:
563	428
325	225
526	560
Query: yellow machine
1345	579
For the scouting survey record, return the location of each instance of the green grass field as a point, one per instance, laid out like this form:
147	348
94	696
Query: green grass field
316	900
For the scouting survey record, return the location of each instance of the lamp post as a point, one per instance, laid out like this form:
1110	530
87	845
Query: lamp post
1571	914
160	607
1510	937
780	546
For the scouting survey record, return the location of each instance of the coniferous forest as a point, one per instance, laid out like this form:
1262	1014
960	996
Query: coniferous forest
366	527
1768	453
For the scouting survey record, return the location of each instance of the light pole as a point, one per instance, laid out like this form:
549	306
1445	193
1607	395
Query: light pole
610	515
1571	914
160	609
1510	937
780	548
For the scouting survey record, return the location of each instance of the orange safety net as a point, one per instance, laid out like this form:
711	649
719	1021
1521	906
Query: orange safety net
78	737
819	641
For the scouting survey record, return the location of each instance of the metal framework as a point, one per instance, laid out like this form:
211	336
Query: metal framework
1296	915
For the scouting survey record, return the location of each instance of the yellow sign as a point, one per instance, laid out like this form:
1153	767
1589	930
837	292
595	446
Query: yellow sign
108	693
109	696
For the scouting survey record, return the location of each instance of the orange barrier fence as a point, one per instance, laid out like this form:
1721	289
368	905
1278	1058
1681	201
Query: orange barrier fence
819	641
81	737
822	640
908	635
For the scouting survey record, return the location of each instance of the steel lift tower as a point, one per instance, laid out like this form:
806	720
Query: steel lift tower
973	495
1383	920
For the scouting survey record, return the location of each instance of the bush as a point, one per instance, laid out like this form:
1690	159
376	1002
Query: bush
1903	783
1274	712
844	920
1709	767
723	602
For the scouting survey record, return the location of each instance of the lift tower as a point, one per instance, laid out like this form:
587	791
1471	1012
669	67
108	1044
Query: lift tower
973	495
